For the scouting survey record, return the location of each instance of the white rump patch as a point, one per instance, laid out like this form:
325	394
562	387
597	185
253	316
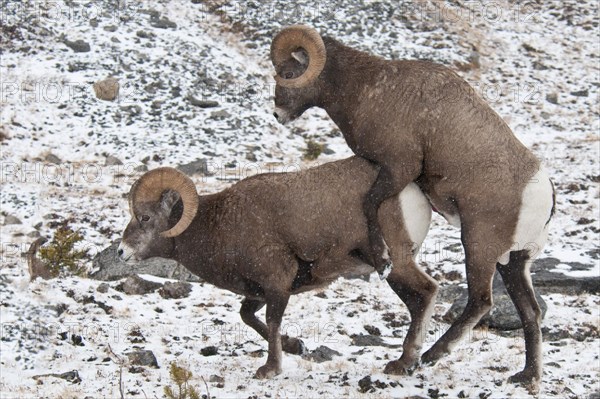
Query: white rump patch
416	212
536	205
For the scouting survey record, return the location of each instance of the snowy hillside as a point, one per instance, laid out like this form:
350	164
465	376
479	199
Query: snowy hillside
196	85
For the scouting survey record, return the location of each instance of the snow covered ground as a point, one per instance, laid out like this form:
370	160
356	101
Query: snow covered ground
537	64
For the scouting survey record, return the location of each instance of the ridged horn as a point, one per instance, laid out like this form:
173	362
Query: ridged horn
153	184
292	39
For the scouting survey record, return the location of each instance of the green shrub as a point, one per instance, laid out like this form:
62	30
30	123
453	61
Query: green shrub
60	256
181	377
313	150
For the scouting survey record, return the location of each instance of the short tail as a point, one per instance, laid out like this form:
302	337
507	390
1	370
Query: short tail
553	203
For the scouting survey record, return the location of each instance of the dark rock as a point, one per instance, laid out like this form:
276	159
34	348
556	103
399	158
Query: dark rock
547	281
327	150
221	114
78	46
321	354
580	93
132	110
372	330
112	161
59	308
90	299
371	340
176	290
51	158
450	293
135	285
162	23
209	351
530	48
103	288
142	357
251	156
110	28
136	369
144	34
108	266
216	378
552	98
365	385
199	167
77	340
71	376
201	103
135	336
10	219
503	315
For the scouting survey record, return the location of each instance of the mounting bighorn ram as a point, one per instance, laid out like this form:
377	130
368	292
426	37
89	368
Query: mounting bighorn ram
421	122
278	234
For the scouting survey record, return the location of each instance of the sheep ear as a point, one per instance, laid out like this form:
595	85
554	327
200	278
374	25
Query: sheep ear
168	200
301	57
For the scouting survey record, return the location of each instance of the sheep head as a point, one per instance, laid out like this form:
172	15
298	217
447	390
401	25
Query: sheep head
298	55
163	204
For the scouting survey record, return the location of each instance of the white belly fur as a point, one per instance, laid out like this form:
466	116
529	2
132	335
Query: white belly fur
536	205
416	212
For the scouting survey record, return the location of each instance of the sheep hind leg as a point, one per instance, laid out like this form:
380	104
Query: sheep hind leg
385	186
248	311
276	303
480	272
418	291
517	280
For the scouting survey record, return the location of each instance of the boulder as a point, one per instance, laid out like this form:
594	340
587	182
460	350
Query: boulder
503	315
142	357
135	285
108	266
107	89
321	354
78	46
548	279
176	290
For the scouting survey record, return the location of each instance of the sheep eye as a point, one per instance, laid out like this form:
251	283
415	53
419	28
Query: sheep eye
145	218
289	75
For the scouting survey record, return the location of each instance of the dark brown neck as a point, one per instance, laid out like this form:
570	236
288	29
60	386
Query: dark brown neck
346	71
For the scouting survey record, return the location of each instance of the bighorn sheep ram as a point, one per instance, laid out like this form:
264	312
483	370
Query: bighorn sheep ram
421	122
278	234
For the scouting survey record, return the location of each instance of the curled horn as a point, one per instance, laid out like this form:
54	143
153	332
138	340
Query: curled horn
153	184
292	39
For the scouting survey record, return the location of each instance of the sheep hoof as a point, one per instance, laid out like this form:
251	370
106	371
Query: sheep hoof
400	367
528	380
267	371
385	271
430	358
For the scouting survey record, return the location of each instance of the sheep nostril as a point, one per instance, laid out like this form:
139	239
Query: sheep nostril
120	252
276	115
